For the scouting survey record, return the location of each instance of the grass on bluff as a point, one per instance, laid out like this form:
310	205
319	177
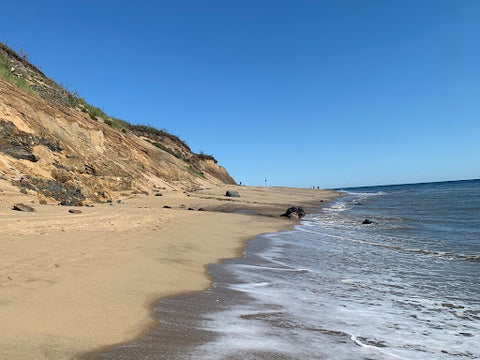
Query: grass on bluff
150	130
166	149
8	75
118	124
196	172
95	113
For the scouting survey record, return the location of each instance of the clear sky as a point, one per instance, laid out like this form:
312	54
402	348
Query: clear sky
332	93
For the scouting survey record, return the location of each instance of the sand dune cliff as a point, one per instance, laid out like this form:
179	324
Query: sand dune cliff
56	146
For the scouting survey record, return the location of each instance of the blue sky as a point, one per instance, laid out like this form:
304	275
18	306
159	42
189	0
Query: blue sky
332	93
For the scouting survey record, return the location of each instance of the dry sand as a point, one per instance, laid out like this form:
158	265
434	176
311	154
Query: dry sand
73	283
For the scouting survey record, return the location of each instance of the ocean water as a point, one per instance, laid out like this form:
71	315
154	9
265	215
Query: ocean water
405	287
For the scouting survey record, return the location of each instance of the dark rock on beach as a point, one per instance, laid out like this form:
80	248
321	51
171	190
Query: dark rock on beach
232	193
167	207
72	211
294	212
23	207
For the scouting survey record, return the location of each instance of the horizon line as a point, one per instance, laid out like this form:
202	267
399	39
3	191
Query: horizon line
403	184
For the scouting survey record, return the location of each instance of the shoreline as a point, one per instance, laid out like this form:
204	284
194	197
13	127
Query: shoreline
185	246
93	355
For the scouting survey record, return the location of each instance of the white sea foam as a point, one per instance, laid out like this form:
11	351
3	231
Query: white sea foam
358	194
257	267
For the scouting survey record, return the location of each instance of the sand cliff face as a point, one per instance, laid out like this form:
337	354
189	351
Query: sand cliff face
55	149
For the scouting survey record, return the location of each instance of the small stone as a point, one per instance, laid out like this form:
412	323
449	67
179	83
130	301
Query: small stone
23	207
167	207
73	211
232	193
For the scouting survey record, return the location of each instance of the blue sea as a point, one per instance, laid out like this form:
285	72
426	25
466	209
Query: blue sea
405	287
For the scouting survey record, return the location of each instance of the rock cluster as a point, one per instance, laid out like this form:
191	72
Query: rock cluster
294	212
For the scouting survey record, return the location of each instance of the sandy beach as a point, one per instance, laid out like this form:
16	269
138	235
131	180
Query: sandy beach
71	284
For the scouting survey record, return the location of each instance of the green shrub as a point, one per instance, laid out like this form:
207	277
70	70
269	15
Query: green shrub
203	156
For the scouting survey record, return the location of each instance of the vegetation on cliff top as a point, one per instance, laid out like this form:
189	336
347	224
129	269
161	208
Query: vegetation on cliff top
16	69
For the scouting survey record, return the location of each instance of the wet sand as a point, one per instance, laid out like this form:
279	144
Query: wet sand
73	285
181	328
